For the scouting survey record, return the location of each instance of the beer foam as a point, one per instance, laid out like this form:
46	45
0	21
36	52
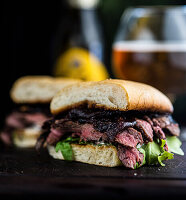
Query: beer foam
144	46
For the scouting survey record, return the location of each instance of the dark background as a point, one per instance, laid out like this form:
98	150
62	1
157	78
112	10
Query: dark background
28	30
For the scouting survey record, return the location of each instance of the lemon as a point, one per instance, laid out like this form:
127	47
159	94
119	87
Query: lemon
80	63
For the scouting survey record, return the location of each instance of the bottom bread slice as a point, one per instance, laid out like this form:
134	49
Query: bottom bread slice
26	142
26	138
104	155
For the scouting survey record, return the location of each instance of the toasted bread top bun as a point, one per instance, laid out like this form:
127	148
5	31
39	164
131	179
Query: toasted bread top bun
38	89
112	94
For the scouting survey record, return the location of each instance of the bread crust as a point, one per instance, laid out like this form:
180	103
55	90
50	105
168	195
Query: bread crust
141	96
112	94
105	155
38	89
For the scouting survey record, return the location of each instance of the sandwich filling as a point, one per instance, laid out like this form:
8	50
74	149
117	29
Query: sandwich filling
24	119
131	132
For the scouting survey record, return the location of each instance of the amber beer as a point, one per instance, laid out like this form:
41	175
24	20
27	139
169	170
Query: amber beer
162	65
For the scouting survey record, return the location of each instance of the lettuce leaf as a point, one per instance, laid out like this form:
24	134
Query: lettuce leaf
71	140
144	160
154	153
174	144
164	156
144	154
65	149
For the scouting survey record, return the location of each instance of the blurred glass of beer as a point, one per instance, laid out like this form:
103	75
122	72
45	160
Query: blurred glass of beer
150	47
162	65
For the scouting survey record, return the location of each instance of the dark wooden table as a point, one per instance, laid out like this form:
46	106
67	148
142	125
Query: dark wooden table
25	174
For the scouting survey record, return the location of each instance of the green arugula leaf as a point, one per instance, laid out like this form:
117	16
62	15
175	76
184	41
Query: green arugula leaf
65	149
144	160
137	165
164	156
144	155
174	144
71	140
163	142
154	153
83	142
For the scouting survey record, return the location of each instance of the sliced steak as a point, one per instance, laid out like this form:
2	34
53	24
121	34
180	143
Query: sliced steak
158	131
41	140
161	135
16	120
123	129
67	126
19	120
47	124
167	124
162	121
111	129
22	120
130	156
146	129
45	133
173	129
54	136
36	118
129	137
88	133
5	135
58	128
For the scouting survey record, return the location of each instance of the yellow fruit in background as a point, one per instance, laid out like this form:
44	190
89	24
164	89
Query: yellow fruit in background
80	63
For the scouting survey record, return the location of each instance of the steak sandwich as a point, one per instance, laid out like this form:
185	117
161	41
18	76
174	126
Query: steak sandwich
111	123
31	96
